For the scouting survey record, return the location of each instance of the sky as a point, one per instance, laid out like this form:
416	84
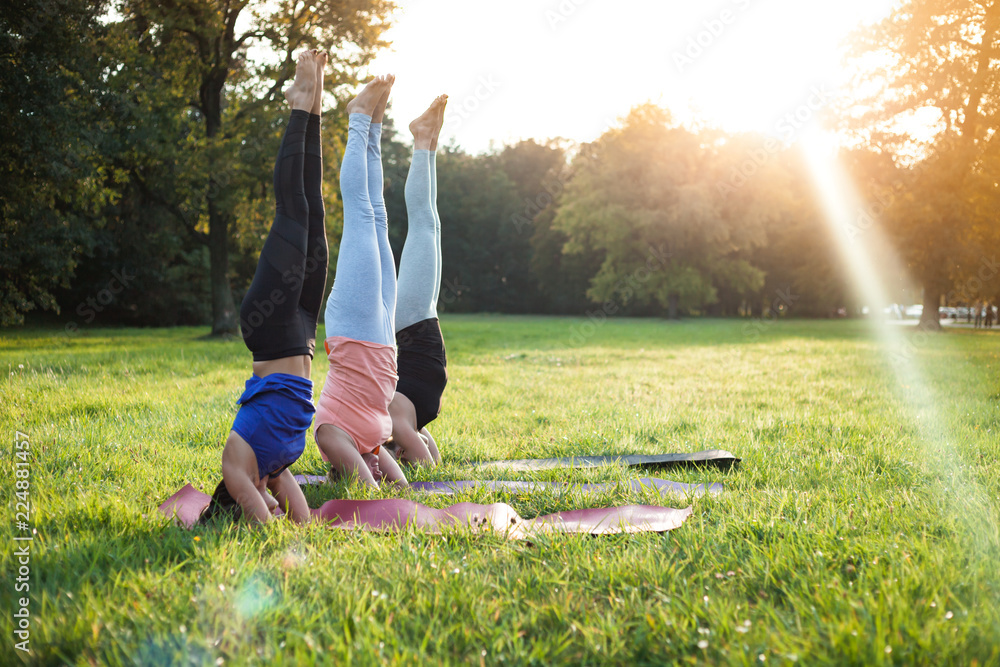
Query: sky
542	69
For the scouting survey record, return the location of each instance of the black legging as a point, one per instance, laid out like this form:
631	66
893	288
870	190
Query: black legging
280	310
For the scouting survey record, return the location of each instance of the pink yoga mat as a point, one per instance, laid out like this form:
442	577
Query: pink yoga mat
661	486
391	515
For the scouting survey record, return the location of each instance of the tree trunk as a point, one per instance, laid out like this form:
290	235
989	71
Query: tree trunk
224	319
929	319
672	306
224	316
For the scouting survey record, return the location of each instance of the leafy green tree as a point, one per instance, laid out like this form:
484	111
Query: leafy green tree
752	190
146	266
802	273
228	100
562	278
52	181
645	196
536	170
476	202
934	59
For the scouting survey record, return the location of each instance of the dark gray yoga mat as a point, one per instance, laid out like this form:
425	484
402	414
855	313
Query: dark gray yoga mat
719	458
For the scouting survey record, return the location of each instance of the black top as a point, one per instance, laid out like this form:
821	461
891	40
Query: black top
421	363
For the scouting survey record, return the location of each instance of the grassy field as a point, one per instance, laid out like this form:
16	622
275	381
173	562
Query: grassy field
861	527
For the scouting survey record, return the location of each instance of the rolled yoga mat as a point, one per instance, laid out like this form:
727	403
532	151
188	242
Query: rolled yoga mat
393	515
719	458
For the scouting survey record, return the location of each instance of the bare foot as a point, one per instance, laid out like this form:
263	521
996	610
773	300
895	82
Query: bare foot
317	105
300	93
426	127
369	97
379	112
440	124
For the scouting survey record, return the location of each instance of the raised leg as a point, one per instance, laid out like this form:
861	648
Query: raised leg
269	315
418	263
437	228
419	281
355	304
434	194
317	253
355	308
387	263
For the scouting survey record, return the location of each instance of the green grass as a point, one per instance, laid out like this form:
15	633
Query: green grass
849	534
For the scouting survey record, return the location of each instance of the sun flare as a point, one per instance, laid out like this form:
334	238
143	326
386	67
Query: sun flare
570	69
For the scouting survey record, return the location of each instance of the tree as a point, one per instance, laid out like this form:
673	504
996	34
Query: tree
230	100
535	170
645	196
52	182
562	278
759	194
476	202
766	182
937	58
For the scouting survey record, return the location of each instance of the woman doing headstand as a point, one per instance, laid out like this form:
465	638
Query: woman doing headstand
421	358
352	418
278	321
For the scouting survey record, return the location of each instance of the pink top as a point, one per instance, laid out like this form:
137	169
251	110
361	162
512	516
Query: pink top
358	388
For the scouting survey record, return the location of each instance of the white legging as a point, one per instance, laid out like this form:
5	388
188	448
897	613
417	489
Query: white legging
420	264
362	303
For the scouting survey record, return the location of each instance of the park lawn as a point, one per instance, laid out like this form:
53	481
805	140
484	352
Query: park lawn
860	528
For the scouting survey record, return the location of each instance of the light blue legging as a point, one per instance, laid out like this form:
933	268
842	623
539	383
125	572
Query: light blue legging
362	303
420	263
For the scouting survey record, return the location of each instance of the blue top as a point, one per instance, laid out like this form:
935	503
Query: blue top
275	413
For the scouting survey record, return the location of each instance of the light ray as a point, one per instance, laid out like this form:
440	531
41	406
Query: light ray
870	260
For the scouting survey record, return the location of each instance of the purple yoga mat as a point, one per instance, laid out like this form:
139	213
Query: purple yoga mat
392	515
661	486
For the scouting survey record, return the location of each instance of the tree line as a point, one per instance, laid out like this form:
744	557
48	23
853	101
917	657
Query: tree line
139	141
